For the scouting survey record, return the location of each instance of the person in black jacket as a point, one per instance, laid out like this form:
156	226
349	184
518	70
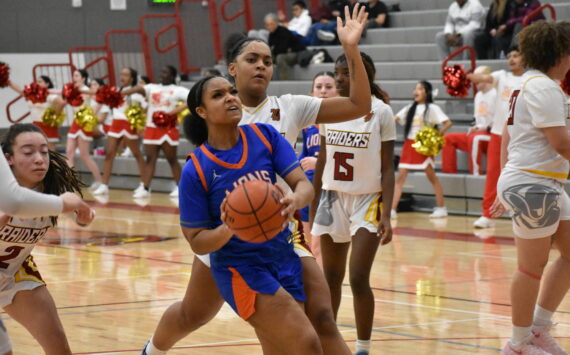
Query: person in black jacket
285	46
496	37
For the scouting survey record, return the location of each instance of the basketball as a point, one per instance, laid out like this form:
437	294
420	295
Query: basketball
253	211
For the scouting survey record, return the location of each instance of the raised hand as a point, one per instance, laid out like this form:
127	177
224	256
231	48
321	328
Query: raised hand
350	32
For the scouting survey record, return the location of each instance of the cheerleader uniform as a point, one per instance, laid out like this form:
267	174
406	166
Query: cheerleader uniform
162	98
120	127
36	112
476	143
411	159
76	130
241	269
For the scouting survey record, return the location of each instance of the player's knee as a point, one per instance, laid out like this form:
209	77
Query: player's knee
309	342
323	321
359	283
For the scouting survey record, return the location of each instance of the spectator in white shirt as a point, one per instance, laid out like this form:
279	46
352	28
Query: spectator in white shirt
301	21
464	19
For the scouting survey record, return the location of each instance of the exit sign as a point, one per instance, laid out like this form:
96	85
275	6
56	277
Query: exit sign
161	2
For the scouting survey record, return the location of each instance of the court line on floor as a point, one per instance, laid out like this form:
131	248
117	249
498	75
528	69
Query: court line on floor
116	278
457	282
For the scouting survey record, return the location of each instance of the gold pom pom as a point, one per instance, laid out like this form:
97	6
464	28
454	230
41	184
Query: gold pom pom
182	113
85	117
428	141
50	118
136	118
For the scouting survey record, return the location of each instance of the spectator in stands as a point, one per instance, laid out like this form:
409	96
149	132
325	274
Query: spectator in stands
464	19
210	72
476	139
301	21
337	8
518	12
285	46
496	37
323	20
377	14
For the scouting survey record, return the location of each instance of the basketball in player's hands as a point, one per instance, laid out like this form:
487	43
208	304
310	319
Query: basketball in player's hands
253	211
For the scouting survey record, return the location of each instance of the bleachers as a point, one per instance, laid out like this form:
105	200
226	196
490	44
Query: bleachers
404	54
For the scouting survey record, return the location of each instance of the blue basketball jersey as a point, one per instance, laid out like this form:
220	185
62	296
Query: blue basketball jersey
311	146
260	154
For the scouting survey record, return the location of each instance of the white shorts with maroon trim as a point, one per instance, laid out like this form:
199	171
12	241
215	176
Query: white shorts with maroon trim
75	131
51	133
157	136
413	160
122	128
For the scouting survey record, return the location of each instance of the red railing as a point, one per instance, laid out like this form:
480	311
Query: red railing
473	59
246	12
538	11
131	60
108	71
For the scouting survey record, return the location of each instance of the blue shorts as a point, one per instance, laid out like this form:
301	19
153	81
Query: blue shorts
304	214
239	285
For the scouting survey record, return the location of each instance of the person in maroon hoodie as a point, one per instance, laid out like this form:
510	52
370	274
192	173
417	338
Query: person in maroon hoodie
517	14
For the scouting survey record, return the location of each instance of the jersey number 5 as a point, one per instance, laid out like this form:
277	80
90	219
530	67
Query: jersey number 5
342	170
14	252
512	104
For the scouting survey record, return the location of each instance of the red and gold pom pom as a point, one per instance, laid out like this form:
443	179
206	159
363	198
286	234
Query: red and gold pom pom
455	79
109	96
4	74
35	93
163	120
565	84
72	95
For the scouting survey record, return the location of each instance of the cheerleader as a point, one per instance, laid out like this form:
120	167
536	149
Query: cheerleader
531	186
121	130
162	98
79	137
35	168
37	109
354	178
323	86
474	142
422	112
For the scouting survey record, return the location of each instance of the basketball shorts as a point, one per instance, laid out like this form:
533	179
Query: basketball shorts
240	285
301	247
340	214
5	344
538	203
26	278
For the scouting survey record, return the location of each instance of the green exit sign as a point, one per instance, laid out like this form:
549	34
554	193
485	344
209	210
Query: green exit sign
161	2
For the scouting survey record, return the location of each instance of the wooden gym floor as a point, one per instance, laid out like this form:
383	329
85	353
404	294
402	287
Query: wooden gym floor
439	287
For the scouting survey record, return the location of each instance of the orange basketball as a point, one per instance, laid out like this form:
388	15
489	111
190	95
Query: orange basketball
253	211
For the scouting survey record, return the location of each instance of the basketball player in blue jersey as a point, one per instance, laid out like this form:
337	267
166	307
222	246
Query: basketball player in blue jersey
255	279
251	65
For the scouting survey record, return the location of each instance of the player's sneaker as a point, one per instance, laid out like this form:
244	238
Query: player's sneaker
484	222
439	212
101	190
94	186
362	352
142	193
143	352
524	348
174	192
140	187
545	341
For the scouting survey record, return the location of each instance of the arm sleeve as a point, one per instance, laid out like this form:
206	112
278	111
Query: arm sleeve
448	29
283	156
193	200
22	202
545	104
306	108
477	16
182	94
387	125
401	115
140	99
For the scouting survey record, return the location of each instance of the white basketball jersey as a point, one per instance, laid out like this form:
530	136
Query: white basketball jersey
539	104
130	100
353	150
289	114
506	84
163	98
484	108
17	240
